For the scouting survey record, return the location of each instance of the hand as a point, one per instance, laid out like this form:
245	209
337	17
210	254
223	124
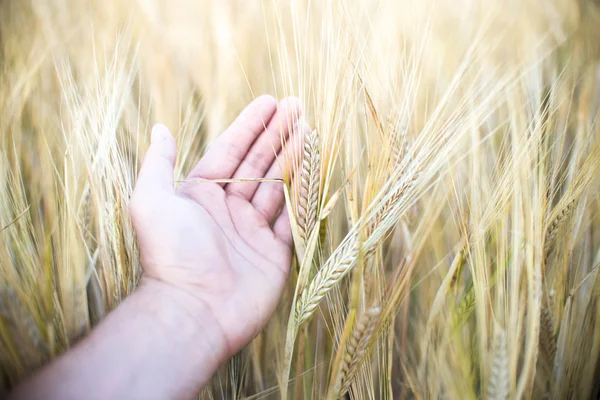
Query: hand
228	246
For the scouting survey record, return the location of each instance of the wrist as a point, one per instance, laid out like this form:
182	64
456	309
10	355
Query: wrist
184	316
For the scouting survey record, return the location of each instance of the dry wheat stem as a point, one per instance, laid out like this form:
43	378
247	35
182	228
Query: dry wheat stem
293	325
226	180
21	214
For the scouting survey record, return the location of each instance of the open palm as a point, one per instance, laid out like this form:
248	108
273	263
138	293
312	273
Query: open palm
226	244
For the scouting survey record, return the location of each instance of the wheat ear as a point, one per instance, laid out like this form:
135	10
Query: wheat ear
308	199
555	223
547	337
338	265
387	207
377	223
86	210
547	351
498	386
357	346
399	139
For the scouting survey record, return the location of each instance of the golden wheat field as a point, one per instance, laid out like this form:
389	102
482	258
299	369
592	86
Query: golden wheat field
447	216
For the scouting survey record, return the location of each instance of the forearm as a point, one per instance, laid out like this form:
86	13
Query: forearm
156	344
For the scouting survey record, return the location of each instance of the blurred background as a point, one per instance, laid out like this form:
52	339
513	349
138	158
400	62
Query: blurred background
458	142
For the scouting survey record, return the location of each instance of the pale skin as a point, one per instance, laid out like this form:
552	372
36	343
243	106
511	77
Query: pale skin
215	260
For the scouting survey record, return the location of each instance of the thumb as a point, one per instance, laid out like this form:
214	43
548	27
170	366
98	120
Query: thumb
158	166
